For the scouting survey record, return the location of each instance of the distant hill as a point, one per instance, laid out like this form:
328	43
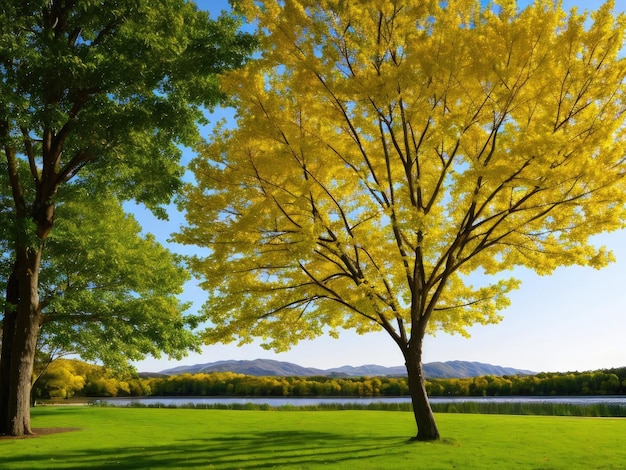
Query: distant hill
460	369
268	367
259	367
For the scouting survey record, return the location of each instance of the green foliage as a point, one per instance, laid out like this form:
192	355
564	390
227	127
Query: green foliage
96	102
230	384
600	382
110	292
603	382
101	96
118	87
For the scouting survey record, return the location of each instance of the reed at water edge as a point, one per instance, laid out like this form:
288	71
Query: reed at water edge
475	407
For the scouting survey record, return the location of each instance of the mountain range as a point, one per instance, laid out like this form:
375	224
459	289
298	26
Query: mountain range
268	367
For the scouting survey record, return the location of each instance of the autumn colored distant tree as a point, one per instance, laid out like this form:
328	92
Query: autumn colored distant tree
391	158
62	379
97	93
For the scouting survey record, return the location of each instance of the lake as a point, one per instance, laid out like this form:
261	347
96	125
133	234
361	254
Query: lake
312	401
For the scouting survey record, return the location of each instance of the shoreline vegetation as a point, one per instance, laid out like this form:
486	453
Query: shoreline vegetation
595	409
73	382
67	378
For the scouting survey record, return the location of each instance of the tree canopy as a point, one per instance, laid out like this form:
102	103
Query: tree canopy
111	293
391	159
101	96
118	88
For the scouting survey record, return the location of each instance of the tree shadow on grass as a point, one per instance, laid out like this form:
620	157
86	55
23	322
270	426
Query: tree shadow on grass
270	449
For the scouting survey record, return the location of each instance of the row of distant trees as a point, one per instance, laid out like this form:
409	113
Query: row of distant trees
66	378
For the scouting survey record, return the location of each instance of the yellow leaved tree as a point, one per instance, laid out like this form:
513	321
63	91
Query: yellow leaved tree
384	151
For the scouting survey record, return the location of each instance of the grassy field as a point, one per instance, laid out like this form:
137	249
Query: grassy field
142	438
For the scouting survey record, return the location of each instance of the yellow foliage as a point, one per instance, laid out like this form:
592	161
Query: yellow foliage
64	377
389	154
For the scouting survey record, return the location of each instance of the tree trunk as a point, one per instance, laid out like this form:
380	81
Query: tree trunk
8	332
424	418
24	342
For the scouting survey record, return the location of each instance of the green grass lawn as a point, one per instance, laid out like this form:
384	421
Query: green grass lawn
141	438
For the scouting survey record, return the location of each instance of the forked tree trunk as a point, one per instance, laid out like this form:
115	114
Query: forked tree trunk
424	418
16	402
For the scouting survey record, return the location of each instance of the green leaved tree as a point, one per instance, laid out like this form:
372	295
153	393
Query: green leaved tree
111	293
101	94
387	154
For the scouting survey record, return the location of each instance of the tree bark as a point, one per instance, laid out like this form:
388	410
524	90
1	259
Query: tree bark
8	332
424	418
16	402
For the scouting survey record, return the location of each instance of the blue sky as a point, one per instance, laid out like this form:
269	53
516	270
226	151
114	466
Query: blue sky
574	319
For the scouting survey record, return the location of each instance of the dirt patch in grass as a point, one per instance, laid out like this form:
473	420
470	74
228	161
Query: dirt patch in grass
40	432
